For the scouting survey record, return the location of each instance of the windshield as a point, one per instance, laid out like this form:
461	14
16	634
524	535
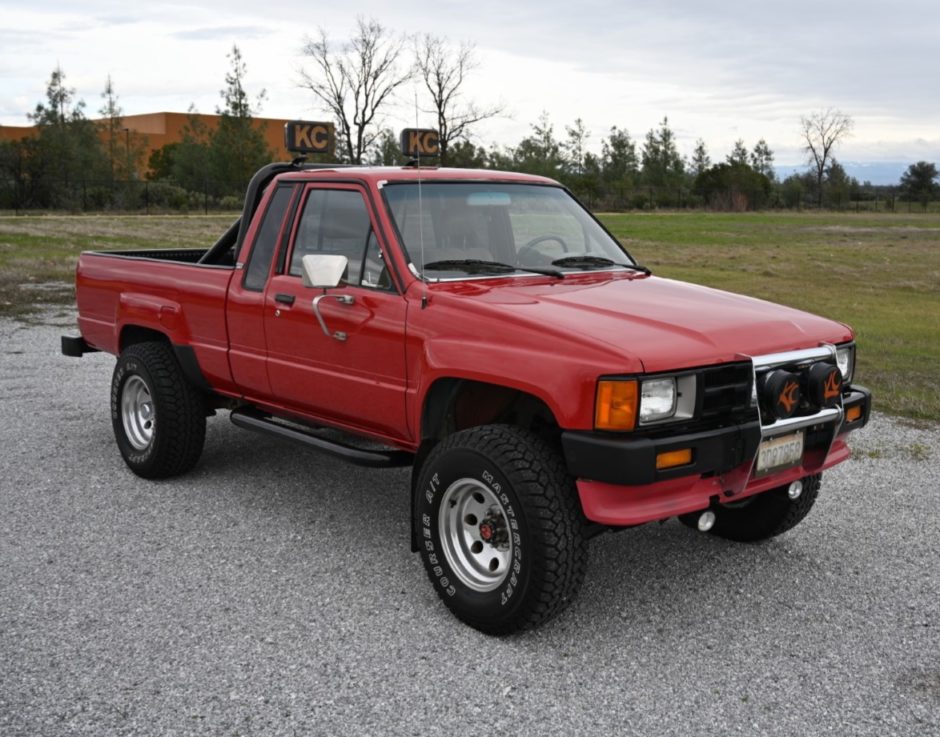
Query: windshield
457	229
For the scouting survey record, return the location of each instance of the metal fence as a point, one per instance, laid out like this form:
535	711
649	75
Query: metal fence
130	196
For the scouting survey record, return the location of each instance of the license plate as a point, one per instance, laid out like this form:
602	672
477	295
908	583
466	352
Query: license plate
778	453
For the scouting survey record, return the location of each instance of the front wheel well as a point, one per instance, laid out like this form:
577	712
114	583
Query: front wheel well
454	404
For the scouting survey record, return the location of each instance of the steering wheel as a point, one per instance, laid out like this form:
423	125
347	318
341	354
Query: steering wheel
530	246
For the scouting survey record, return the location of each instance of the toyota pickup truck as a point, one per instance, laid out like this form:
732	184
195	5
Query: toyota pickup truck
485	329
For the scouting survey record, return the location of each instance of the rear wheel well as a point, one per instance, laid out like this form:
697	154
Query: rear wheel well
131	334
185	357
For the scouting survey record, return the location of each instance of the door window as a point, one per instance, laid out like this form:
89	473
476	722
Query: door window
334	221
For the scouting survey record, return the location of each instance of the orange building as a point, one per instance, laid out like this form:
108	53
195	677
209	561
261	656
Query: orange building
158	129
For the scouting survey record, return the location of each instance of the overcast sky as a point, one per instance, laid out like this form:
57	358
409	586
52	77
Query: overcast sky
720	70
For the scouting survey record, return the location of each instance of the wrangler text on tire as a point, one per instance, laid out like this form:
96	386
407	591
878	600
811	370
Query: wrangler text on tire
499	528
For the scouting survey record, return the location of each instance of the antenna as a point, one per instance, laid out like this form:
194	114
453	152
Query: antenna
420	201
416	142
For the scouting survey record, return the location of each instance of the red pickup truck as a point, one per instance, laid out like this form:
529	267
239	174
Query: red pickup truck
484	328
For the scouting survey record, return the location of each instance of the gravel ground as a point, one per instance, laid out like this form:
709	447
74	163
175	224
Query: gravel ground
272	592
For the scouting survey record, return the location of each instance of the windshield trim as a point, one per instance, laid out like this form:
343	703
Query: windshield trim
532	275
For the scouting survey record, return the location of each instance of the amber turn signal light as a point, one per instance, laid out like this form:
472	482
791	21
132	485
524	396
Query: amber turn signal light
853	413
616	405
673	458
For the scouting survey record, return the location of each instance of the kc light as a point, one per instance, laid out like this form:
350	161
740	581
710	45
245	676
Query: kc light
657	400
616	404
845	358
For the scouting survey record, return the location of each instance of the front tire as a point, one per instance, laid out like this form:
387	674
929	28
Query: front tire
499	528
159	419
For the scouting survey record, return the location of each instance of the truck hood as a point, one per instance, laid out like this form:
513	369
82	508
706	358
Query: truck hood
663	324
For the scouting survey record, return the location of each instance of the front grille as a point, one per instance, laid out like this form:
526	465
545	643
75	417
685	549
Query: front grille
726	391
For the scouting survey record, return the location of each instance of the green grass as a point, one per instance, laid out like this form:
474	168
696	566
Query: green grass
38	253
879	273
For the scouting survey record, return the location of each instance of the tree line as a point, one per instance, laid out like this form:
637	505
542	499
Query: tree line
76	163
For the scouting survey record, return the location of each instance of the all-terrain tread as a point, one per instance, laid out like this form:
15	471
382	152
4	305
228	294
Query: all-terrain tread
549	499
180	412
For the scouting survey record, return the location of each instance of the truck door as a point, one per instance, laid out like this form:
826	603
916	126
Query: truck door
245	307
353	372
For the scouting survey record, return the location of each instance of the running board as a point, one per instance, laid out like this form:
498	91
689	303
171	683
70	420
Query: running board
251	419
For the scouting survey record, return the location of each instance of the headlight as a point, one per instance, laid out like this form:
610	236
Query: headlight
622	404
657	400
845	358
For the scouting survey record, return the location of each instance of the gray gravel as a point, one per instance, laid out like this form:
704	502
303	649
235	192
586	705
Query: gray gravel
272	592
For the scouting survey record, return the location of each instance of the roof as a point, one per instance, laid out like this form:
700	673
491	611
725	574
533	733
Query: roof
376	174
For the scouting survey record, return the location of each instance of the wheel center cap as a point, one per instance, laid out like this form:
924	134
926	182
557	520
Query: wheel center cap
487	531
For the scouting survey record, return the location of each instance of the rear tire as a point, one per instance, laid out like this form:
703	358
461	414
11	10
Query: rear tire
159	419
762	516
499	528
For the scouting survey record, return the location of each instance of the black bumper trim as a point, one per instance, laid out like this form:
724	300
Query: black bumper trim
857	395
631	461
76	347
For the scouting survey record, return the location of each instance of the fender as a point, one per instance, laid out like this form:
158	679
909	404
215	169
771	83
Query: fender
558	383
157	313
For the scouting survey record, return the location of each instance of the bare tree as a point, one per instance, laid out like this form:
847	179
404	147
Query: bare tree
355	82
822	131
444	71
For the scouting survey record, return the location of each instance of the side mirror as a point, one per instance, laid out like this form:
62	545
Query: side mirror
323	271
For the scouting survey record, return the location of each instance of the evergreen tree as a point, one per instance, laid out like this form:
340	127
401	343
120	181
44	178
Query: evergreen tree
762	160
620	166
738	154
700	159
237	149
123	147
540	152
190	157
662	165
574	147
919	182
68	154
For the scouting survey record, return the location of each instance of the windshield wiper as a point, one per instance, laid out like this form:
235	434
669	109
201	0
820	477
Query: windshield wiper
480	266
584	261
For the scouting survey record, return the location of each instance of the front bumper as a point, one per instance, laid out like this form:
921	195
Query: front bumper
619	484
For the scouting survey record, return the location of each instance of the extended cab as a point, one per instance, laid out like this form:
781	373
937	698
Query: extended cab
484	328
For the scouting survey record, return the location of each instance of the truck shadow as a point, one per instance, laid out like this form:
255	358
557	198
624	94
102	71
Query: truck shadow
641	582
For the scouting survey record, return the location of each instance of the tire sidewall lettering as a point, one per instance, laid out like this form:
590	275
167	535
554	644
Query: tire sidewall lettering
124	371
431	491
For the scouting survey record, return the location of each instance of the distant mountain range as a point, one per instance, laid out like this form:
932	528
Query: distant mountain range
876	172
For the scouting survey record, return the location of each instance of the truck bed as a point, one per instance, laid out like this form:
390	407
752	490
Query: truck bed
163	290
184	255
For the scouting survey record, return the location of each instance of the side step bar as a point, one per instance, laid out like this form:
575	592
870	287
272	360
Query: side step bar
251	419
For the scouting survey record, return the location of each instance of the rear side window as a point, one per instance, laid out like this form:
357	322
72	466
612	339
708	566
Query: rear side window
334	221
259	261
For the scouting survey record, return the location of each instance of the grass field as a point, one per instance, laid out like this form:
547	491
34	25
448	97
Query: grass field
878	272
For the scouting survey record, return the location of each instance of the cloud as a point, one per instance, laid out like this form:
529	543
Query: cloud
222	32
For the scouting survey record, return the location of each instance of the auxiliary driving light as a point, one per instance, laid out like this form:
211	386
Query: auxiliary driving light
706	520
782	393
